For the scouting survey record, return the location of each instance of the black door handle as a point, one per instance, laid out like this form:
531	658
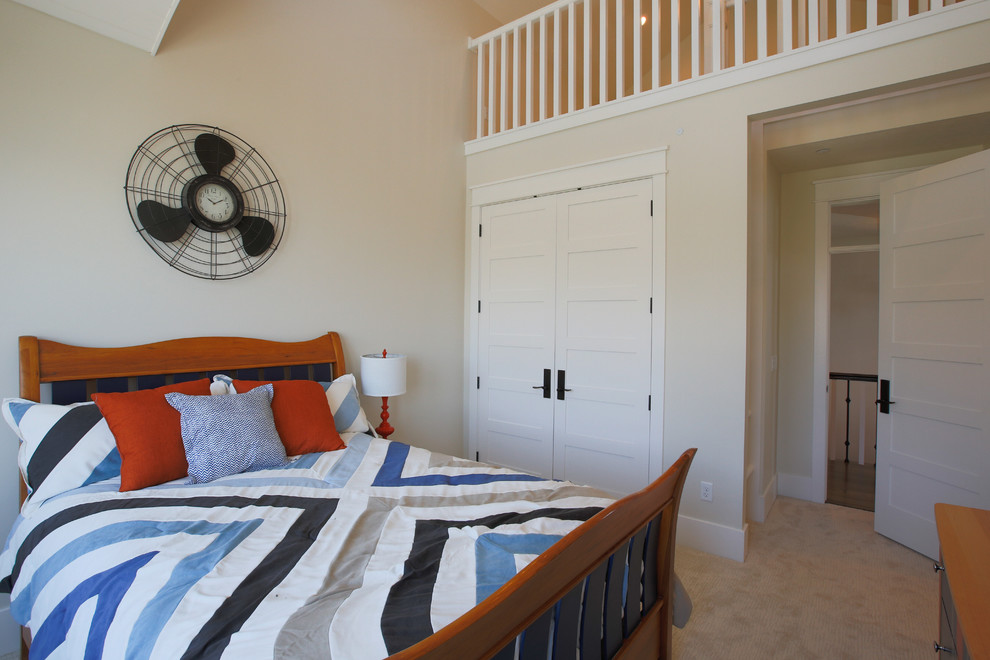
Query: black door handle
884	400
560	385
546	384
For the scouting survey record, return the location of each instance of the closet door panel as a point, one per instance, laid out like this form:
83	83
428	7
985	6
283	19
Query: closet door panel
516	334
603	335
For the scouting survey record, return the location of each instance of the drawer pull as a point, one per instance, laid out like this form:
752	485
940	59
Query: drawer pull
939	567
940	649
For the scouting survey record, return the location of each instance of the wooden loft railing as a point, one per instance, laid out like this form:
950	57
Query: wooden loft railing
575	57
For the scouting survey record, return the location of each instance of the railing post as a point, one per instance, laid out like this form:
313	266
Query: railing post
717	35
655	39
620	50
481	92
529	73
696	53
602	51
788	19
516	78
543	68
848	401
637	47
571	58
587	53
556	62
503	83
491	87
739	11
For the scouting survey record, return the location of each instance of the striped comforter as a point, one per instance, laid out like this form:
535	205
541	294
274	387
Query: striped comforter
351	554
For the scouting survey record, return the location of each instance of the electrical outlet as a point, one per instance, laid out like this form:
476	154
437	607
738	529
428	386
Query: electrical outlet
706	491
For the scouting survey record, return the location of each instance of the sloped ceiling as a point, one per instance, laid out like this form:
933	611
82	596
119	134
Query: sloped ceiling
509	10
140	23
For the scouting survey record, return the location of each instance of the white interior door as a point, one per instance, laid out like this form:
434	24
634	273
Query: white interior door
933	444
603	343
516	334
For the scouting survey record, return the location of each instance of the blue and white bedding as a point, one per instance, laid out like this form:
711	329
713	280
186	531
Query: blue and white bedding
357	553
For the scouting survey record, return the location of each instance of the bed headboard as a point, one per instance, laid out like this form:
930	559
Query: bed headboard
76	372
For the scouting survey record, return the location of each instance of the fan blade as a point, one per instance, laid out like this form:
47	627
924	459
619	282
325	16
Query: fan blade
163	222
257	234
214	152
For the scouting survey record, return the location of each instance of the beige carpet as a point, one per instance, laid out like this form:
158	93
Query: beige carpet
818	582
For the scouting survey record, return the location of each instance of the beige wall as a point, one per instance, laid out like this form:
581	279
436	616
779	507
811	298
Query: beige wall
706	259
361	110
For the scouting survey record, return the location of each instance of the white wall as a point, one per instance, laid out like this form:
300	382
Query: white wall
361	108
854	316
707	196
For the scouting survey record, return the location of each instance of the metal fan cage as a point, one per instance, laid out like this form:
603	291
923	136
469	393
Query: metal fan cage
159	171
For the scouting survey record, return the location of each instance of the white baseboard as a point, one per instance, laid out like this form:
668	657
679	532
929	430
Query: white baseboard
10	632
713	538
759	505
795	485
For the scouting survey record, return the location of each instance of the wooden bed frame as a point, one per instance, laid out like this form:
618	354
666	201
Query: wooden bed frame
606	588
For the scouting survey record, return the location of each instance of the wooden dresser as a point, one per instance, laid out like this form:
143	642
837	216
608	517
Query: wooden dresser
964	540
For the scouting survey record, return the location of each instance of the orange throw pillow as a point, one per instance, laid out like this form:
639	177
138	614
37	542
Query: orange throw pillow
148	433
302	415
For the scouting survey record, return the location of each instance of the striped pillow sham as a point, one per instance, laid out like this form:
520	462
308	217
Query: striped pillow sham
345	404
62	447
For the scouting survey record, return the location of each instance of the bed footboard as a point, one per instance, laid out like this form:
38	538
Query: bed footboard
603	591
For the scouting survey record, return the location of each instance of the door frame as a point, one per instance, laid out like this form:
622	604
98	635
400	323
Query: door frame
827	193
651	164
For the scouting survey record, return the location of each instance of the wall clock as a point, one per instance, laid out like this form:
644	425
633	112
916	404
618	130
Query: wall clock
205	201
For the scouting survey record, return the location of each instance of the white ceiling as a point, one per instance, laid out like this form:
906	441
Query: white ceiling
140	23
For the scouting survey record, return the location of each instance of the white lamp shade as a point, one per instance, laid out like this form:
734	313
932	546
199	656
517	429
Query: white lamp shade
383	376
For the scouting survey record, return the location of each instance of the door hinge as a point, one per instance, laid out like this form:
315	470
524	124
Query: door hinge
479	231
479	307
649	402
651	304
479	382
477	457
651	208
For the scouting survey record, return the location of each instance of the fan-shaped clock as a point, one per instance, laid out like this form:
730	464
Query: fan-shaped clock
205	201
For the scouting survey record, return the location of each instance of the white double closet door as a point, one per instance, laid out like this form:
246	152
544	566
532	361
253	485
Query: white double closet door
565	327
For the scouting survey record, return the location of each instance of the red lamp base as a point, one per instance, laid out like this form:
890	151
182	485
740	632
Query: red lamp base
384	429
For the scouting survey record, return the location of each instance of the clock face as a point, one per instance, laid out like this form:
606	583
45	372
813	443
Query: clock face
215	202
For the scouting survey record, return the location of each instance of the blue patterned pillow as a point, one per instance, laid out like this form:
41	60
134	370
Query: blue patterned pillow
62	447
227	434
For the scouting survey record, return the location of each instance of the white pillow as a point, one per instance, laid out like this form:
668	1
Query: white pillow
345	404
62	447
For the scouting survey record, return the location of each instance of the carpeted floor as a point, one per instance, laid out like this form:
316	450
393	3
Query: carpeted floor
818	582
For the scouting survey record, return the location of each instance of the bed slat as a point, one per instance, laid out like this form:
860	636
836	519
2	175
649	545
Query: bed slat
508	653
591	621
322	373
70	391
634	584
150	382
612	630
186	377
650	569
112	384
534	642
568	613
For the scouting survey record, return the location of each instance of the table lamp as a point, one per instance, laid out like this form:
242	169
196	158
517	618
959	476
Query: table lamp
383	375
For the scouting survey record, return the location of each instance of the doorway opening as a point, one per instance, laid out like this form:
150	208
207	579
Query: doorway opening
854	270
